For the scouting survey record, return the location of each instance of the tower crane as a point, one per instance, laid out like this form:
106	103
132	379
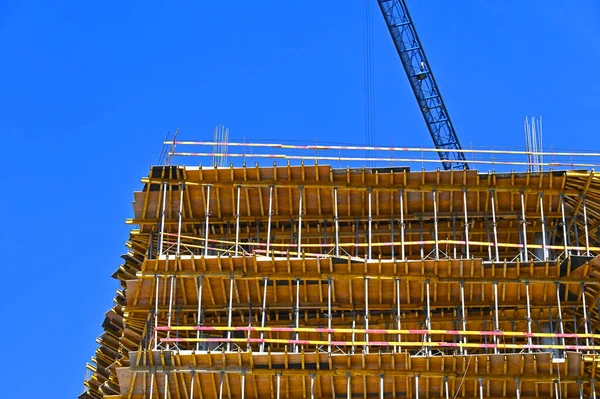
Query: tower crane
423	83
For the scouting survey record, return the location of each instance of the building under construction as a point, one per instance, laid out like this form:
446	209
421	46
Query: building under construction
302	280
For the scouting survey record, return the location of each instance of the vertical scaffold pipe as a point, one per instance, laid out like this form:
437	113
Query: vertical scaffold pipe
497	318
206	225
151	384
220	385
576	231
402	226
585	227
264	314
480	388
543	221
278	385
329	314
297	314
435	225
487	232
560	316
392	239
237	220
191	385
585	317
447	388
398	317
170	314
199	317
269	221
179	222
353	328
348	387
370	224
464	315
162	219
156	314
366	347
416	386
336	220
421	249
495	227
312	386
529	342
300	213
428	320
230	312
381	391
243	385
518	388
524	229
454	237
166	386
466	223
564	225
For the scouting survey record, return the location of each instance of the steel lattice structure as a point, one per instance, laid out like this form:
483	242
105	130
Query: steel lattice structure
423	83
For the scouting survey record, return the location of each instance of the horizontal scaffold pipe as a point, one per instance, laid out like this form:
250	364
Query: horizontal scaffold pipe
382	159
382	244
475	306
378	331
418	344
433	278
345	372
380	148
345	186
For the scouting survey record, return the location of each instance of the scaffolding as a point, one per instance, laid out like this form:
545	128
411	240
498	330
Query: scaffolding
308	281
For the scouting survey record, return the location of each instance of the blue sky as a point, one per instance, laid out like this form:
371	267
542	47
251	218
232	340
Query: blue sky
90	90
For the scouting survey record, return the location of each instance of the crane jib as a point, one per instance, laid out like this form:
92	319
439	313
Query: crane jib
427	93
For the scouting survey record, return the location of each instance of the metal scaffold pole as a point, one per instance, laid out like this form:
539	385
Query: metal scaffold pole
336	220
230	311
543	222
524	228
269	221
398	316
466	223
529	342
162	219
370	222
366	347
494	225
464	315
237	221
156	314
497	317
329	312
585	227
199	317
206	225
297	313
435	225
585	315
264	314
181	188
564	225
402	225
300	213
169	315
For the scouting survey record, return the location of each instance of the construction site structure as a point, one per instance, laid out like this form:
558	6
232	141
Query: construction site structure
303	280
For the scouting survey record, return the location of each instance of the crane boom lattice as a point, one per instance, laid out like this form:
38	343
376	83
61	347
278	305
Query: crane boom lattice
423	83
